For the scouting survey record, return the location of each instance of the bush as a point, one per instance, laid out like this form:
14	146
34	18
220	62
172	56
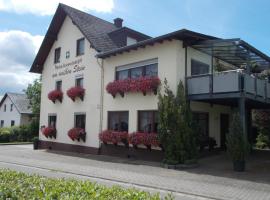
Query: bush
236	141
4	135
262	141
14	185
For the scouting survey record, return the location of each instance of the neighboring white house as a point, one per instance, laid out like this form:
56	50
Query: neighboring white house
82	50
15	110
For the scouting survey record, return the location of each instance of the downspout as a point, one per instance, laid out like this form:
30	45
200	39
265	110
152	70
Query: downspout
100	63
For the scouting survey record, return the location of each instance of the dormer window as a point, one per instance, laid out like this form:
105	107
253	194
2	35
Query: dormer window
57	53
131	41
80	47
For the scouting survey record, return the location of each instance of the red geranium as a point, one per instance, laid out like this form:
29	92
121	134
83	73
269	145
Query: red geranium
55	95
142	84
147	139
76	92
113	137
49	132
77	134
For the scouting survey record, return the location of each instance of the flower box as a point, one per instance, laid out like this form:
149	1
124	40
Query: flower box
142	84
147	139
76	92
55	95
49	132
113	137
77	134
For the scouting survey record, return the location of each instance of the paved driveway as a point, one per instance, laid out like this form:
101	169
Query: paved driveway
214	179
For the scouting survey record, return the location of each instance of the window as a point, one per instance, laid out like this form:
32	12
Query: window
12	123
11	107
57	53
80	121
5	108
80	47
198	68
201	120
79	82
67	54
147	121
58	85
118	121
52	121
2	124
148	70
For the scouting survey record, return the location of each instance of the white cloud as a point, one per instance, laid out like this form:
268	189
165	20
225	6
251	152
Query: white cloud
17	51
39	7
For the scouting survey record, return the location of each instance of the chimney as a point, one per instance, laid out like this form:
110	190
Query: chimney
118	22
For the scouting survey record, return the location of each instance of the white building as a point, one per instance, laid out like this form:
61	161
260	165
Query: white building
82	50
15	110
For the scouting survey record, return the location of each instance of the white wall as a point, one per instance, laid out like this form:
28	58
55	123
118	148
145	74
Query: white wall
171	65
9	115
67	38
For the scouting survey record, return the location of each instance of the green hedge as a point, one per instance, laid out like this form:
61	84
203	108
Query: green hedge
14	185
19	133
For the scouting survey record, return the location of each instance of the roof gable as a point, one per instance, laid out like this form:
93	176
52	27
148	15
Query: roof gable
20	101
95	30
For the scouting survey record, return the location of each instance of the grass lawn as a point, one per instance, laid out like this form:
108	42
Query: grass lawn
14	143
16	185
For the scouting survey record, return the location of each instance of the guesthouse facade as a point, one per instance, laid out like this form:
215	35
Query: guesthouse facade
100	82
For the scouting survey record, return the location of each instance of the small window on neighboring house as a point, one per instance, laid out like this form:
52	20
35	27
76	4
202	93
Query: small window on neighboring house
2	124
52	121
58	85
147	121
118	120
11	107
57	54
79	82
80	47
12	123
202	123
5	108
79	121
198	68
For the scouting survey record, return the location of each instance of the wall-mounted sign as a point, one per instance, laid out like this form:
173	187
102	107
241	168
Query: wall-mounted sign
68	68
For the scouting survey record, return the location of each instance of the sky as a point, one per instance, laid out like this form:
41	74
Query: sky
23	24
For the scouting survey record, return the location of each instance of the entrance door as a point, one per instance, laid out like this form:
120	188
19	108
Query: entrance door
224	129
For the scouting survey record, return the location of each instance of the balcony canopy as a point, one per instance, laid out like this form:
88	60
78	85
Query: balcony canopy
236	52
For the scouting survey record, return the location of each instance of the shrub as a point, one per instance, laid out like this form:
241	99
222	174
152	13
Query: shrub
175	128
262	141
76	92
55	95
114	137
236	141
77	134
4	135
15	185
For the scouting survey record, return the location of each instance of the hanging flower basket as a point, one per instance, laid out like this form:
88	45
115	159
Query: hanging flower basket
55	95
76	92
113	137
49	132
146	139
142	84
77	134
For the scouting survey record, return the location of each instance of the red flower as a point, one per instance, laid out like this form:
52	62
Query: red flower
142	84
76	92
49	132
113	136
77	134
55	95
147	139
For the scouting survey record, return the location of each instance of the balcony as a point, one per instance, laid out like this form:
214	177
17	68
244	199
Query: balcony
228	85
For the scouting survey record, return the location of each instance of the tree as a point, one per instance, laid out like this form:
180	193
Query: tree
33	92
175	126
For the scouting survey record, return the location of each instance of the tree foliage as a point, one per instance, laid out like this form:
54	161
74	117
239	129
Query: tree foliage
175	126
33	92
